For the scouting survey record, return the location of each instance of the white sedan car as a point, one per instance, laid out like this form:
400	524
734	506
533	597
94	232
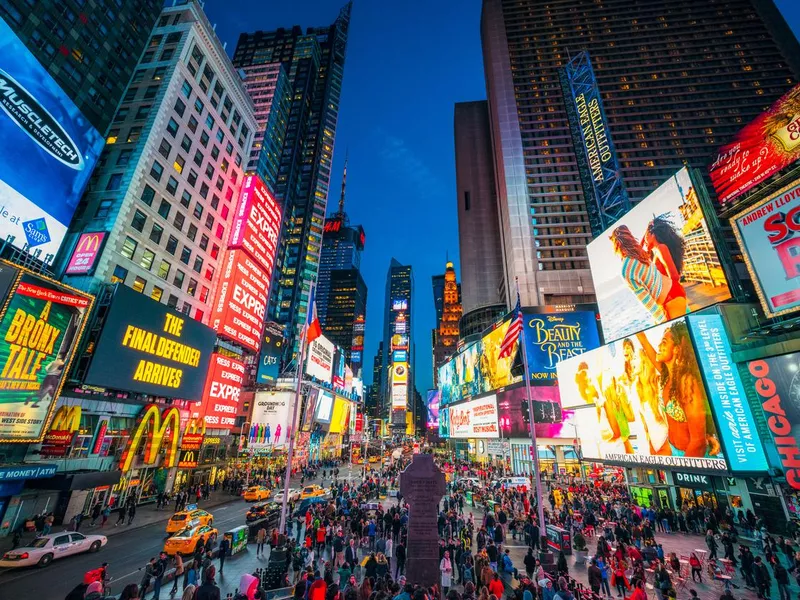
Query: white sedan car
47	548
294	495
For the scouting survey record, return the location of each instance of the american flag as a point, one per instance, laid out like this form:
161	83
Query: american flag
512	335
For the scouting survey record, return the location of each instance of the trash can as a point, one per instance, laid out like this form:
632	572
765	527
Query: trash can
237	538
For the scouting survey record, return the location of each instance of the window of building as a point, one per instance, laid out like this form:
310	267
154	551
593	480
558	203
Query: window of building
214	152
198	264
172	244
186	143
150	92
103	209
204	241
204	190
214	201
204	139
209	274
220	232
179	221
224	212
186	255
220	136
163	269
172	301
172	127
179	163
214	251
210	171
119	274
143	111
466	200
156	293
146	261
172	185
139	284
156	171
164	208
112	136
139	220
210	222
148	194
186	199
114	182
158	73
192	287
156	232
210	122
220	183
180	107
178	280
124	158
192	177
198	210
164	148
186	89
203	294
129	247
191	233
198	106
167	54
133	135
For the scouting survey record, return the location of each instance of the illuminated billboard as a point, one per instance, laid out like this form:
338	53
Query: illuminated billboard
769	235
51	150
656	263
149	348
475	419
399	304
324	407
549	419
776	381
340	416
241	301
272	414
223	386
272	344
39	328
320	359
86	252
399	386
642	400
257	223
551	337
761	149
432	405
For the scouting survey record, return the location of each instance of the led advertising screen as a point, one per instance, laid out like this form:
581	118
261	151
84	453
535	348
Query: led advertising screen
272	414
320	359
310	409
776	381
223	386
241	301
341	416
432	405
86	252
656	263
552	337
399	304
641	400
399	381
475	419
149	348
257	223
324	407
762	148
39	329
738	430
51	151
272	345
769	235
444	421
549	419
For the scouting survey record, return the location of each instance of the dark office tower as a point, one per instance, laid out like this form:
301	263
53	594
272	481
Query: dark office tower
347	308
89	48
479	240
445	337
314	63
677	78
398	357
376	395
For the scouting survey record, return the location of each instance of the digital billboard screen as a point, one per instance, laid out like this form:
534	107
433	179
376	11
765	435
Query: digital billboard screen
656	263
320	359
432	405
762	148
257	223
475	419
51	150
272	346
223	386
642	400
776	381
554	336
149	348
86	252
769	235
39	329
241	301
324	407
549	419
272	414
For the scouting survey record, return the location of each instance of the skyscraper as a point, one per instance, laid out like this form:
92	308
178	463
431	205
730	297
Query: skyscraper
314	62
677	78
479	240
348	303
89	48
164	194
445	336
376	395
398	351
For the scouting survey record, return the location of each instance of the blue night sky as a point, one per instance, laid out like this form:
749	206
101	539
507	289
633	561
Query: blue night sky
407	64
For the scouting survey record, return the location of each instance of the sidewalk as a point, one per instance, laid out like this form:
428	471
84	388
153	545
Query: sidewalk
145	515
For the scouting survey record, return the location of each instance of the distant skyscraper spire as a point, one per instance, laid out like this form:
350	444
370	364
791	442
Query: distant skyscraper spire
344	185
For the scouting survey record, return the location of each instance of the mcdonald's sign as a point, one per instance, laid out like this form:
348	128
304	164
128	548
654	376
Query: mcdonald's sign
58	439
189	459
86	252
155	425
67	418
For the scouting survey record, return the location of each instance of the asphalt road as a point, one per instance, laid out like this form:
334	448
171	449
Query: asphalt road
127	553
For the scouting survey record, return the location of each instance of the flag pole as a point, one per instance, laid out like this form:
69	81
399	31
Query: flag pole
545	555
292	433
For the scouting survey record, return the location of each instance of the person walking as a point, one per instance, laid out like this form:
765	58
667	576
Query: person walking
147	576
122	512
131	512
781	578
595	576
96	509
261	539
178	572
762	579
446	567
711	542
400	552
48	523
159	569
106	513
222	552
209	589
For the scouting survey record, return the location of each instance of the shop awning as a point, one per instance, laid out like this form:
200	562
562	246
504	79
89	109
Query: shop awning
76	480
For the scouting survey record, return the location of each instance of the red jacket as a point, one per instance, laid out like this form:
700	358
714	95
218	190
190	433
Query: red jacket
497	588
638	594
318	590
321	533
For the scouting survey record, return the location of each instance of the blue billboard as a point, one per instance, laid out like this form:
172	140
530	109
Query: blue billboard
53	151
551	337
269	358
735	421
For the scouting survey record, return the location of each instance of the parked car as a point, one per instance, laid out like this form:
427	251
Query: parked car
294	495
47	548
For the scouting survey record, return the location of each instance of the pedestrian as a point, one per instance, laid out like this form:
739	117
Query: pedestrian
781	578
209	589
496	586
697	568
122	512
147	576
762	578
188	592
106	513
178	572
261	538
446	567
48	523
159	569
131	512
400	552
594	573
96	509
712	544
222	552
130	592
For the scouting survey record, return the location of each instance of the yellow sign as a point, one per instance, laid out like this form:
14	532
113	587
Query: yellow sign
67	418
155	425
341	413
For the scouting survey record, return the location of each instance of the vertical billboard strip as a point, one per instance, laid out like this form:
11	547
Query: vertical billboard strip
272	344
735	420
761	149
220	403
54	152
657	262
769	236
40	326
86	253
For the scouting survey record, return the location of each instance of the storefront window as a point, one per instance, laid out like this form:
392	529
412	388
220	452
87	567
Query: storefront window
83	438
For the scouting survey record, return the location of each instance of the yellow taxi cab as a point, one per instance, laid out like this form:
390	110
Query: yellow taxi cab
256	493
181	519
312	491
187	540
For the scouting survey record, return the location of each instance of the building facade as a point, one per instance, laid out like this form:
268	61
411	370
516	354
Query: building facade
479	241
166	188
346	309
398	343
445	336
676	79
314	62
89	48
